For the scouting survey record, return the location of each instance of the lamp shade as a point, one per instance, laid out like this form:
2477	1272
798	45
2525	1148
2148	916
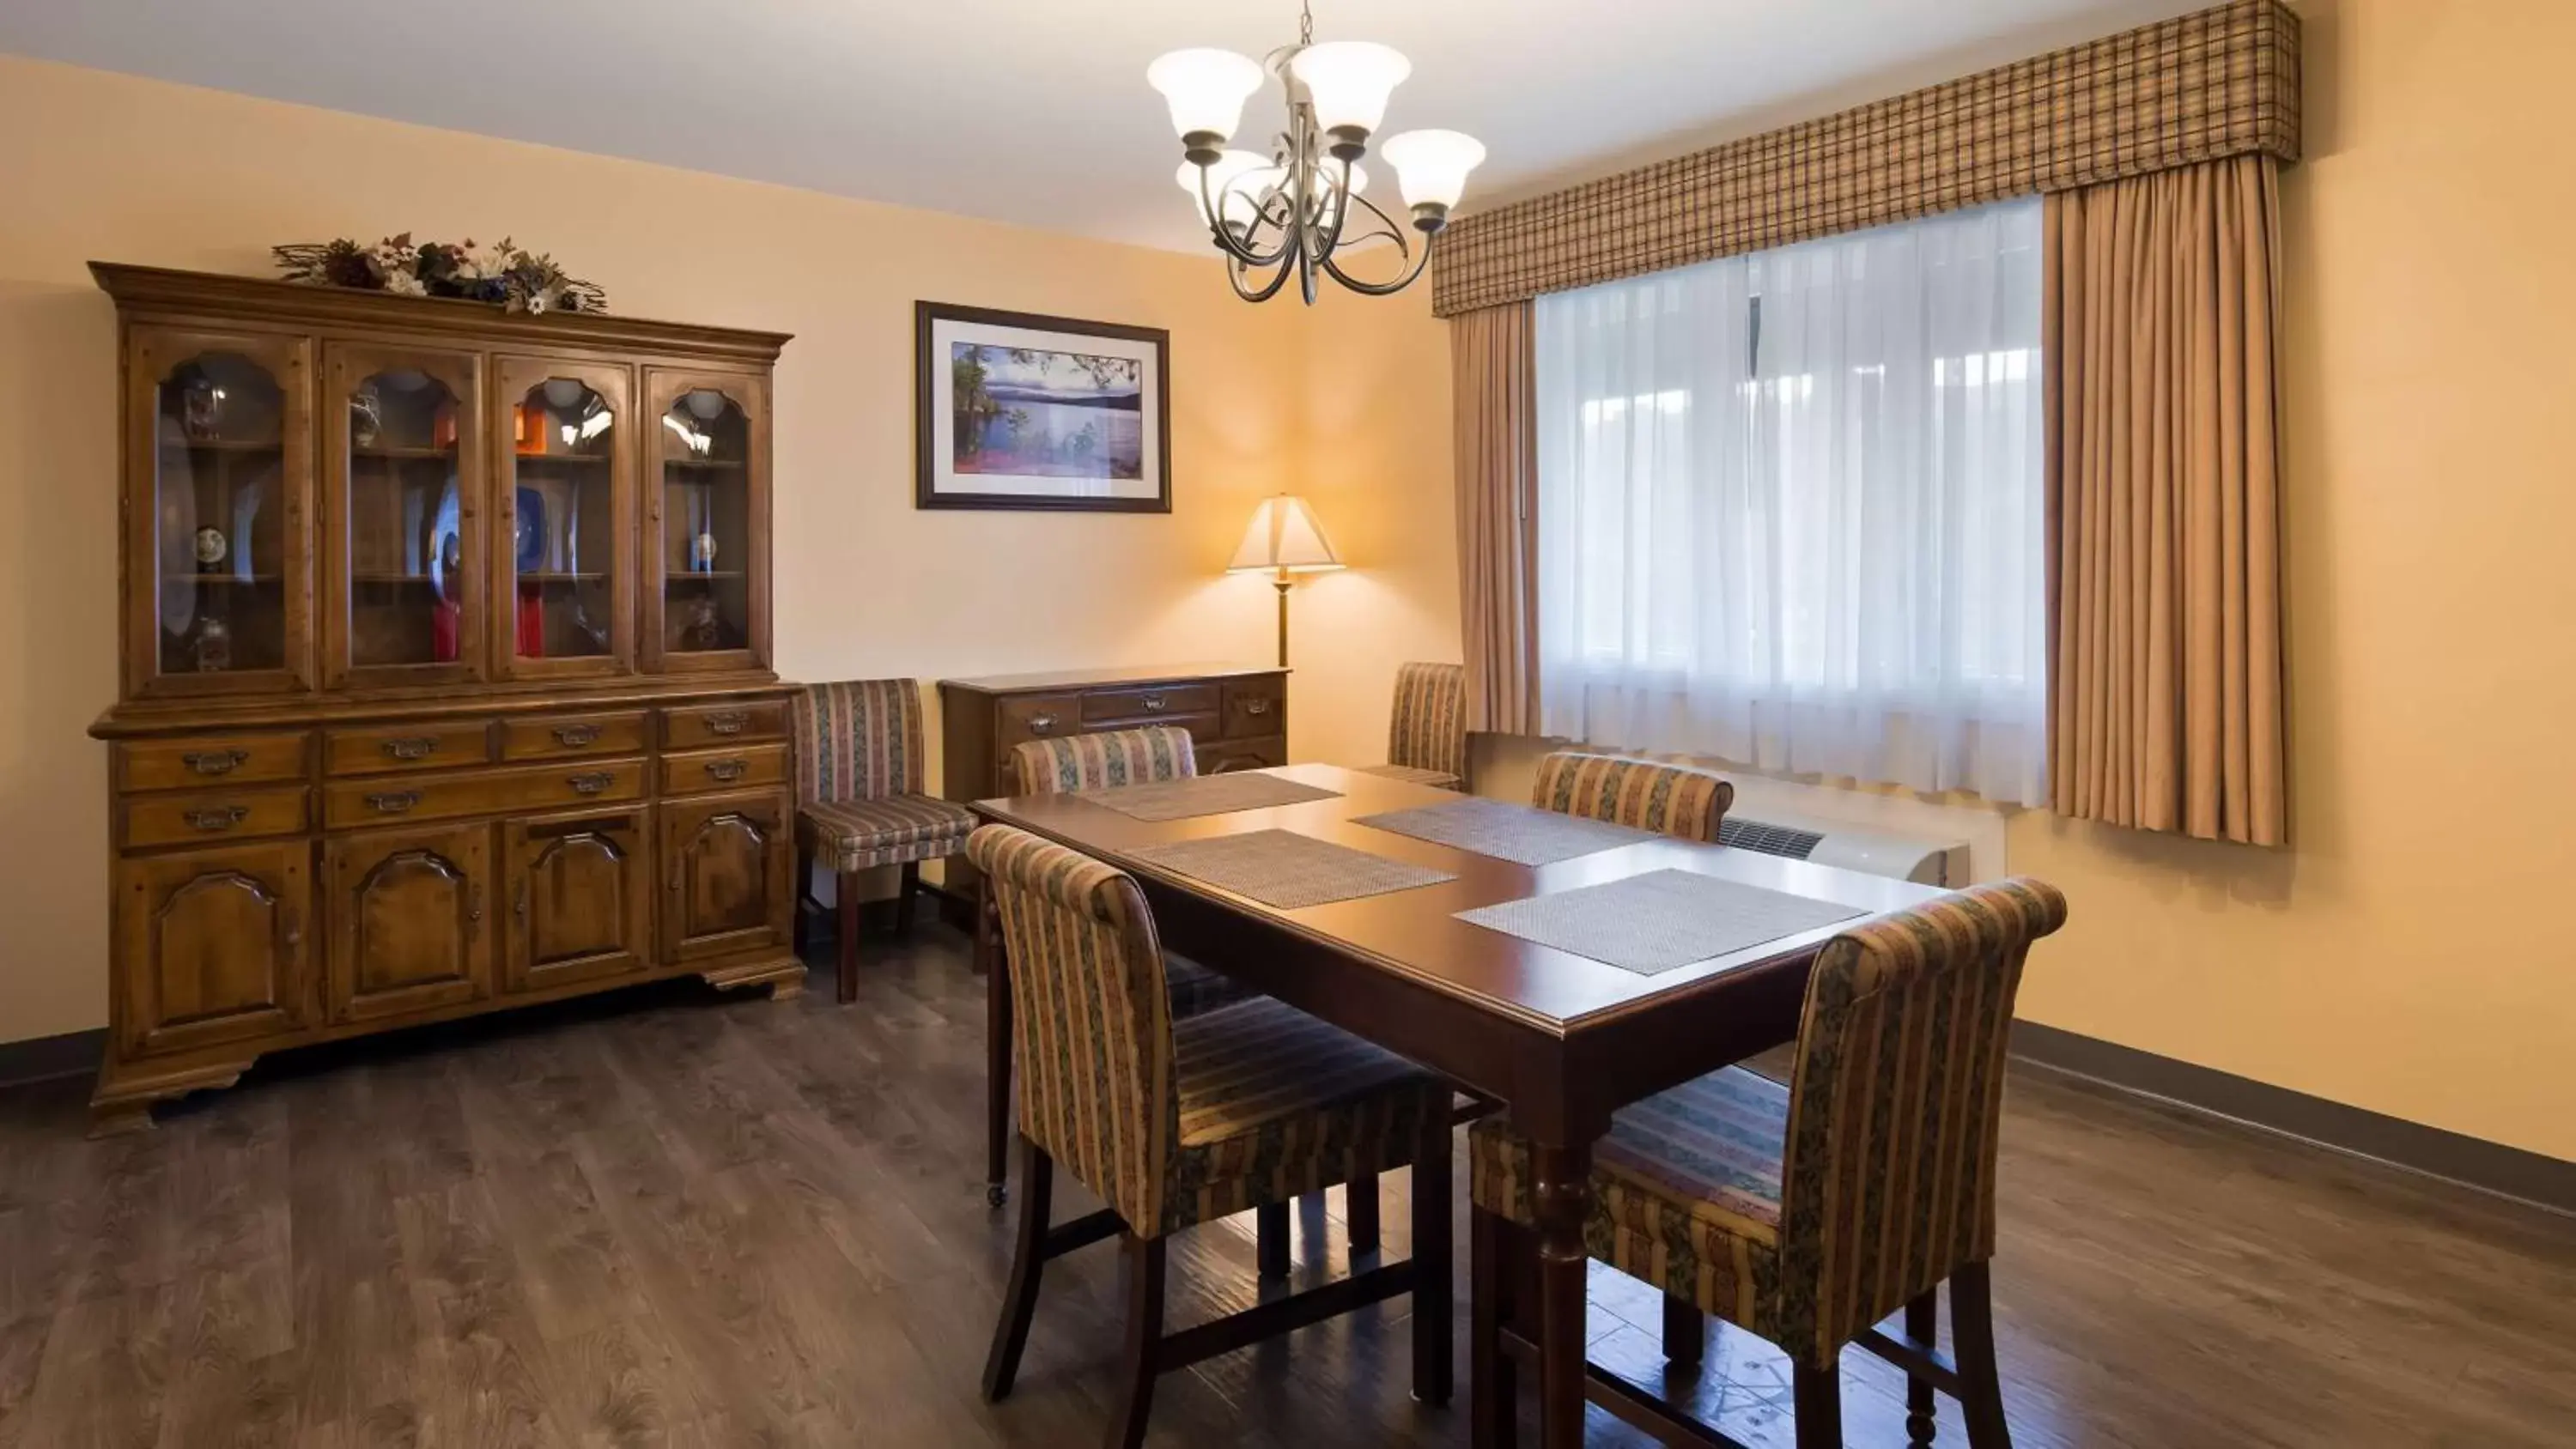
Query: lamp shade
1432	166
1348	81
1206	89
1284	535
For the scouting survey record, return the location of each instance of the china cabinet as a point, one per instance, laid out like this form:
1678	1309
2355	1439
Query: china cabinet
445	678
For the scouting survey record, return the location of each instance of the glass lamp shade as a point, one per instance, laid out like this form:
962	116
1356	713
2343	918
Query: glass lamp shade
1237	169
1348	81
1206	89
1284	535
1432	166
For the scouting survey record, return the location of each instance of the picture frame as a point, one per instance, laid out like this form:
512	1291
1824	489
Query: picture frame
1014	410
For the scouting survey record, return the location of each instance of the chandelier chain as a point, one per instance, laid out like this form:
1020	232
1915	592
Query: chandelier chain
1305	23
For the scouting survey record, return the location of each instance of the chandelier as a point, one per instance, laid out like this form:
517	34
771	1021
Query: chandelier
1290	213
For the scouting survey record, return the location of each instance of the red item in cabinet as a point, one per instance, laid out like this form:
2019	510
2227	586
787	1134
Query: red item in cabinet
532	622
445	617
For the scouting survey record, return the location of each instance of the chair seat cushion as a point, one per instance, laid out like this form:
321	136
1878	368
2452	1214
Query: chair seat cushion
1686	1190
1274	1104
1411	775
894	830
1194	988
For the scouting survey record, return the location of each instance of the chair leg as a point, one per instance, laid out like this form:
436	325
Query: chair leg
1270	1233
797	931
1360	1201
1020	1300
1492	1392
1434	1259
1972	1330
904	894
845	897
1685	1331
997	1058
1136	1372
1923	1325
1818	1393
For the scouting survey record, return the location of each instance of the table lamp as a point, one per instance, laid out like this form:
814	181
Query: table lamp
1284	540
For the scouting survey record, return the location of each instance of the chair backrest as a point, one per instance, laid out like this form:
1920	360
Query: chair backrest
1888	1180
1667	799
858	740
1091	1045
1428	730
1096	762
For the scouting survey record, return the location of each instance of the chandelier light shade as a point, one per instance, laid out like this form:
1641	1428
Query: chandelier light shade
1291	213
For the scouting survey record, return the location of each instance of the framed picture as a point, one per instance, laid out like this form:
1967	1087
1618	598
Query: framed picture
1020	411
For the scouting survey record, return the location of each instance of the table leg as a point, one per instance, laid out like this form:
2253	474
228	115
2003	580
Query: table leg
1562	1199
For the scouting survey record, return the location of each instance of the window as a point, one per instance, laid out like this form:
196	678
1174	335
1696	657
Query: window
1790	508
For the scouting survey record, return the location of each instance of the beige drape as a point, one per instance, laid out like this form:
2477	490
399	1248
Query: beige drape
2157	342
1493	369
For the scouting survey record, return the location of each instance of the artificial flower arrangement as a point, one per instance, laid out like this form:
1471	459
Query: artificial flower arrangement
504	274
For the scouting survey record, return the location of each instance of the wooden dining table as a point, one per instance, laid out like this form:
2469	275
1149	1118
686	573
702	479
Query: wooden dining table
1560	1040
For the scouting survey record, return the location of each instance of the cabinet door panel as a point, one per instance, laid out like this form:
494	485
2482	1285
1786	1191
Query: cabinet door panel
211	946
403	541
726	863
706	524
580	897
408	930
564	503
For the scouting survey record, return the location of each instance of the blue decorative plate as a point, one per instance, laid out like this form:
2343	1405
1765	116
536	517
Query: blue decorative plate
532	531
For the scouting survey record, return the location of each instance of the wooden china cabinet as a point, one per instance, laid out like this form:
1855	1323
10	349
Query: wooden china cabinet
446	671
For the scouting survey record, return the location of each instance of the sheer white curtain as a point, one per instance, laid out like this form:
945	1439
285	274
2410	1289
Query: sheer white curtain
1790	508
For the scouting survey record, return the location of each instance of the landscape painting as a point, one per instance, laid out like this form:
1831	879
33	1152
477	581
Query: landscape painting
1022	411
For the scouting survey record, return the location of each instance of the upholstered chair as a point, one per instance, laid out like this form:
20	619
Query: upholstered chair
1178	1121
860	801
1666	799
1426	737
1806	1213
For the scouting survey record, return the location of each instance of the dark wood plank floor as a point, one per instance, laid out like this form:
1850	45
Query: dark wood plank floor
670	1218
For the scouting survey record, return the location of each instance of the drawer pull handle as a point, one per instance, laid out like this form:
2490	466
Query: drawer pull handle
1040	723
412	747
726	771
573	737
393	802
1256	706
221	817
216	762
590	784
1156	704
729	723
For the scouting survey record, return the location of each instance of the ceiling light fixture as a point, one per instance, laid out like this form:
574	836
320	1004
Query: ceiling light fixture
1290	214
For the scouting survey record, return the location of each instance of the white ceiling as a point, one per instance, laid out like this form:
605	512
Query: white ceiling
1036	111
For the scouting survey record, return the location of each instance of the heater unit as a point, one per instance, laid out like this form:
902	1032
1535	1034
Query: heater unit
1924	860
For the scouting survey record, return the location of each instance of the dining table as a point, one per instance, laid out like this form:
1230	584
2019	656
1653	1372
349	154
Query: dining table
1560	1040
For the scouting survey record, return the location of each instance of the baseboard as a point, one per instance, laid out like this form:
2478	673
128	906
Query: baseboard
2473	1162
45	1058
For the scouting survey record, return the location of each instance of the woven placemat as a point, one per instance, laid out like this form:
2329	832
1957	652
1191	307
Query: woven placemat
1206	795
1658	921
1521	834
1287	870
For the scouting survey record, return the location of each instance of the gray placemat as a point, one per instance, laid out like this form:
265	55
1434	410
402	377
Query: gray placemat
1521	834
1287	870
1660	920
1206	795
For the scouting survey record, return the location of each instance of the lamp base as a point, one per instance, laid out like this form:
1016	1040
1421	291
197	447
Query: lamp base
1281	584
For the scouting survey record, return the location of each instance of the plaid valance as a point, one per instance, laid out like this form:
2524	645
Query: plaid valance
2221	82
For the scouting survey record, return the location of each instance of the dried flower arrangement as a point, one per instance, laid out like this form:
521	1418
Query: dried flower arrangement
503	274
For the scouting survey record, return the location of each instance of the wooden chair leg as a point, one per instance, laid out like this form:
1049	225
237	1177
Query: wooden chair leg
904	894
1028	1262
845	898
1493	1399
1818	1393
1923	1325
798	931
1972	1331
1360	1201
1270	1235
1136	1372
1435	1260
997	1065
1685	1331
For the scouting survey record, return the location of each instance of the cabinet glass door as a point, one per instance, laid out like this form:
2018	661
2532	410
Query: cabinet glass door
224	422
710	601
566	505
408	573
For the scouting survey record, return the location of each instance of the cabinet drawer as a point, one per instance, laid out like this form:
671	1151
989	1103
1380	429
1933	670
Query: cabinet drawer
1243	755
564	736
197	764
211	818
723	724
385	749
1026	717
489	792
699	771
1147	704
1256	707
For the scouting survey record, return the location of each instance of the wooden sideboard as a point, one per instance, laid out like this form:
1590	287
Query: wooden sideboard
446	676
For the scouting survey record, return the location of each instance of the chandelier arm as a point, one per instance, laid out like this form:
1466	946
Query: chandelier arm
1387	228
1234	273
1241	251
1421	259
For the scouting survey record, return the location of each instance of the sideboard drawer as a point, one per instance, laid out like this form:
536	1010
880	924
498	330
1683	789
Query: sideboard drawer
422	745
1256	707
1027	717
213	760
1148	703
698	771
489	792
1243	755
723	724
213	817
563	736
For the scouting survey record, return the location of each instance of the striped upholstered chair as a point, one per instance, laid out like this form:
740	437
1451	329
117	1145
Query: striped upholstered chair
860	802
1666	799
1178	1121
1426	737
1806	1213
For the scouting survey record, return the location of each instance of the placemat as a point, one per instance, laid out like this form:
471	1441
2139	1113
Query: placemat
1657	921
1521	834
1205	795
1284	869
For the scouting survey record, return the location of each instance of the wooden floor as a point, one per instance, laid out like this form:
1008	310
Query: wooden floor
670	1218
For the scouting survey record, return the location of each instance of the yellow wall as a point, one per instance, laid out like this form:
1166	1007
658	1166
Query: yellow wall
1347	403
